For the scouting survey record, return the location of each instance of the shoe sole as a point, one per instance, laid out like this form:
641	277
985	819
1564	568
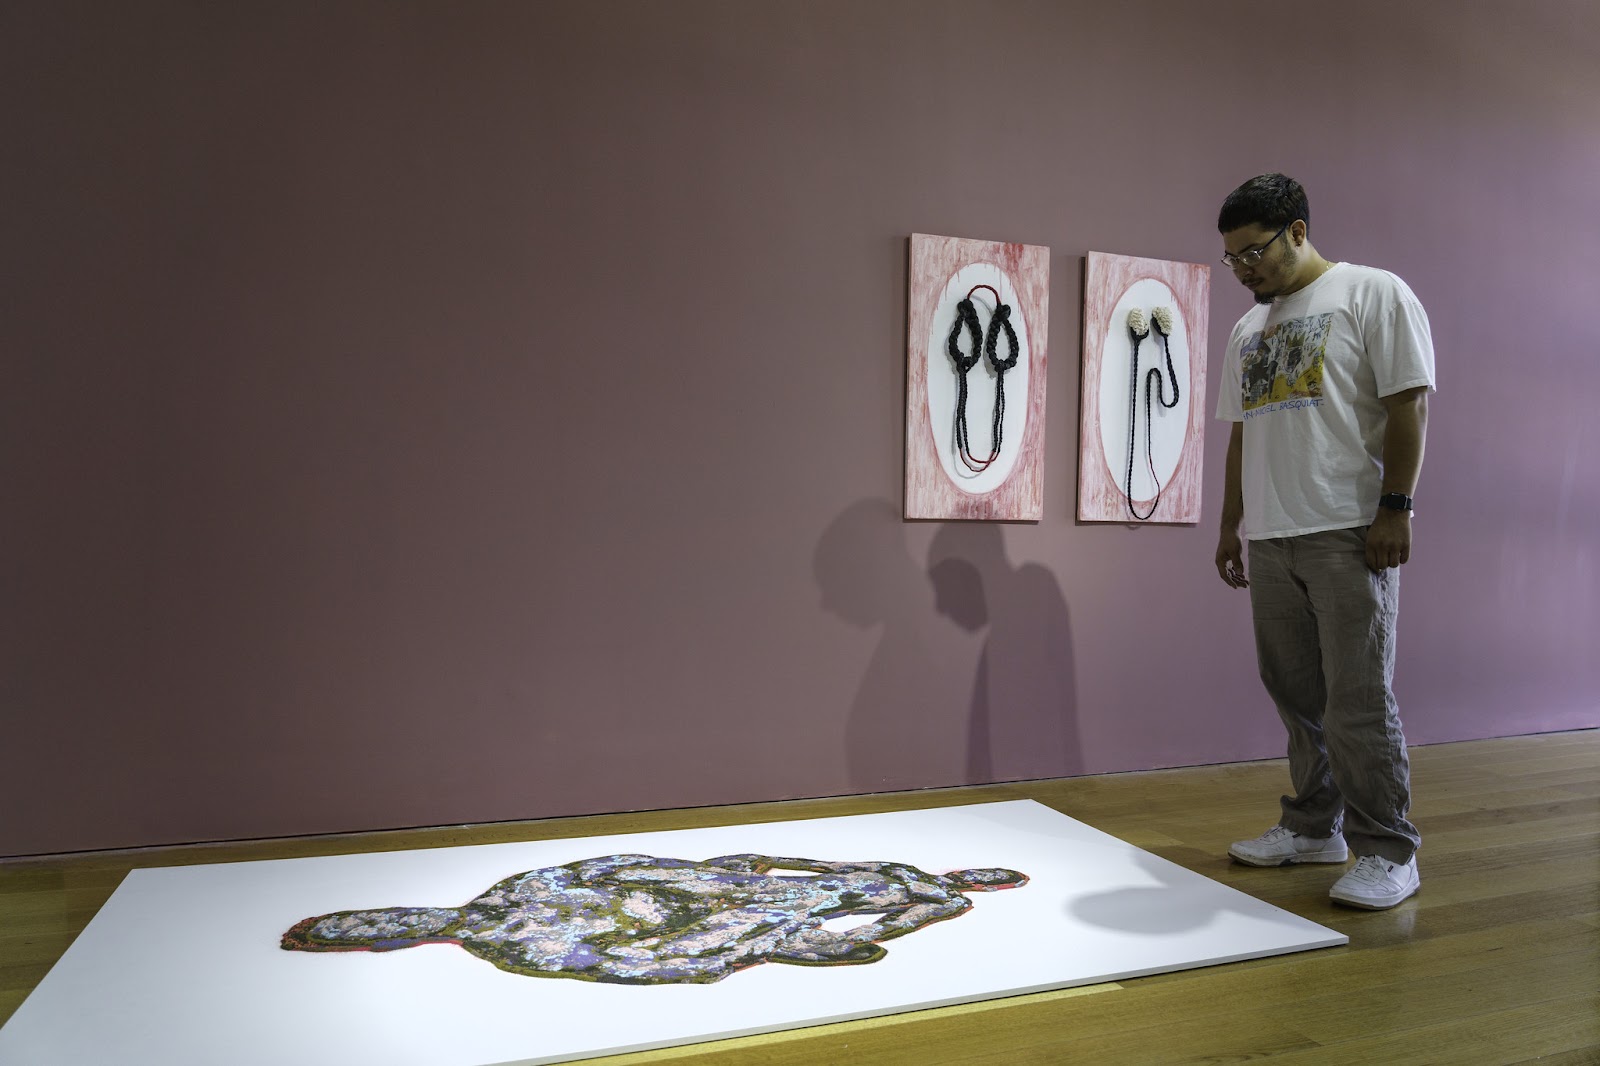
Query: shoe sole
1319	857
1370	905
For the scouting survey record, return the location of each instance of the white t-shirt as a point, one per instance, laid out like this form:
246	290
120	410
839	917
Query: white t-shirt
1306	374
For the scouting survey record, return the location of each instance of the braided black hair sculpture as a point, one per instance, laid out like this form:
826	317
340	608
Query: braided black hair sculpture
1153	383
966	315
983	343
1000	321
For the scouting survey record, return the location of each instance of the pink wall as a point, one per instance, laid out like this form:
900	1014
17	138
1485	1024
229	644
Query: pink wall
436	413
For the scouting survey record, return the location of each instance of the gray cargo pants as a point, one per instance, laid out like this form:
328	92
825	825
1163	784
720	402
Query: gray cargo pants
1325	635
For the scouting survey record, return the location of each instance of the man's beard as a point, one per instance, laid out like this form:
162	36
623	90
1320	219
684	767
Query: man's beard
1290	263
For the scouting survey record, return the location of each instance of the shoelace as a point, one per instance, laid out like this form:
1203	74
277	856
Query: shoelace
1371	868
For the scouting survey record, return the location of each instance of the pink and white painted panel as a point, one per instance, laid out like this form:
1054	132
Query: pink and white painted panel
1142	432
975	379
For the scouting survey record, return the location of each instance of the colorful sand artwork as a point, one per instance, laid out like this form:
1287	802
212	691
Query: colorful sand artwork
638	919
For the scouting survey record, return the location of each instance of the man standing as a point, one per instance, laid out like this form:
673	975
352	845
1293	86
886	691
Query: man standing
1326	382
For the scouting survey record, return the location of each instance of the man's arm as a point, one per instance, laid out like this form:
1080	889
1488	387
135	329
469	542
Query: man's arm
1389	538
1230	551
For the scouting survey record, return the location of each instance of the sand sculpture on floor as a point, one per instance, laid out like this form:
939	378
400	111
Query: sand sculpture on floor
638	919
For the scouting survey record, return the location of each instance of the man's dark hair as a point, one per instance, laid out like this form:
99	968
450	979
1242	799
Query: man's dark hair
1270	200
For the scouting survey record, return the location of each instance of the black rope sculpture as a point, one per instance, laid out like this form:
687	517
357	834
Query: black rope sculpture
983	343
1153	383
966	315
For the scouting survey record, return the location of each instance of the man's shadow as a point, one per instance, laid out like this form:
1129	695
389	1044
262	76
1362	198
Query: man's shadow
1174	904
906	723
1023	721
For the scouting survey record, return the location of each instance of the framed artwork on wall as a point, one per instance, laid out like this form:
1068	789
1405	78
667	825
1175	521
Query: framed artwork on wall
1142	417
976	354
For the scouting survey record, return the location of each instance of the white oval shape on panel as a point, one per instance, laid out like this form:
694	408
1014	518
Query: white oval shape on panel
944	381
1168	426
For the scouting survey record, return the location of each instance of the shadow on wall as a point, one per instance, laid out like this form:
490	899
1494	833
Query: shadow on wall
1023	720
907	722
925	714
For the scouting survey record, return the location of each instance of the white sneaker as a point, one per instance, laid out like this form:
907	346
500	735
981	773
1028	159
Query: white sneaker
1376	884
1280	847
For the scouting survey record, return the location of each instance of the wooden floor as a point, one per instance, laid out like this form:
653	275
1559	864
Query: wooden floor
1497	960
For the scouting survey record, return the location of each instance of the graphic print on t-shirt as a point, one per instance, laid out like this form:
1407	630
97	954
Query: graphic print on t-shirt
1281	368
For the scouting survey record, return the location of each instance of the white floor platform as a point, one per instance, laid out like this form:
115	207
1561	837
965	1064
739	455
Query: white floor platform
182	967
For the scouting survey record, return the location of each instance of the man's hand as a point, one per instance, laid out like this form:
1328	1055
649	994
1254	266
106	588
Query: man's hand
1230	559
1388	539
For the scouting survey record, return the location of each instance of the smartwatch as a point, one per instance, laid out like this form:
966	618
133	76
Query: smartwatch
1395	501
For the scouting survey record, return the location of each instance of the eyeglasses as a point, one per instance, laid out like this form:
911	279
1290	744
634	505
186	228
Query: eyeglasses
1253	256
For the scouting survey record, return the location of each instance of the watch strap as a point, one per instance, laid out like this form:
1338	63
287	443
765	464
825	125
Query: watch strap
1396	501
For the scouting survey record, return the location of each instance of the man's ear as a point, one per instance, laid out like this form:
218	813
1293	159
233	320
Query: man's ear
1297	231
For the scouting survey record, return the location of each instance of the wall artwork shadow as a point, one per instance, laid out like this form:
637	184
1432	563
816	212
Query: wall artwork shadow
1023	721
642	920
907	717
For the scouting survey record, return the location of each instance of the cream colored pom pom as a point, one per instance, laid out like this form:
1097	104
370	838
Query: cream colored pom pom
1137	325
1163	317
